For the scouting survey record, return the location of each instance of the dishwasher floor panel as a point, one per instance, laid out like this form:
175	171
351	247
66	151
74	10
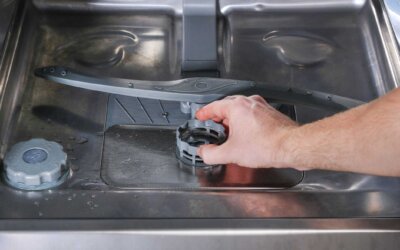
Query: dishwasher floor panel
144	157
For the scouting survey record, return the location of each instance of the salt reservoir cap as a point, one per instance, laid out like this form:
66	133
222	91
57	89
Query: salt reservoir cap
35	164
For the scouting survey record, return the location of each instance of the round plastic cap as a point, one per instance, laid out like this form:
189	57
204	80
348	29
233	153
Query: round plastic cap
35	164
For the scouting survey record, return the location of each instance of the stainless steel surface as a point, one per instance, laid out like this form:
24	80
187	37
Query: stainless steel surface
6	12
346	39
393	10
354	55
146	159
67	114
203	234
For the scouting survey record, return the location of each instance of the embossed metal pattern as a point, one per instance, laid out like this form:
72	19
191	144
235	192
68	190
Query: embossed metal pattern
99	48
299	49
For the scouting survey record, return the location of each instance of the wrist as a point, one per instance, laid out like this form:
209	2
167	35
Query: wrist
287	147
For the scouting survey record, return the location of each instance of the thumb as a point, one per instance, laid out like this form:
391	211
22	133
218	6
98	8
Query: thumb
213	154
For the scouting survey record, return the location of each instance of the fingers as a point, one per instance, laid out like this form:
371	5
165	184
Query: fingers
213	154
220	110
259	99
217	111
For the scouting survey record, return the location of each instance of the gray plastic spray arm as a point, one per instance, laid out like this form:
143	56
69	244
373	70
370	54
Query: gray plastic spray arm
299	96
194	90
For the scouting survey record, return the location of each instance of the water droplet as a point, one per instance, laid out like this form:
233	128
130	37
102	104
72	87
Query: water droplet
69	147
82	140
74	167
40	214
259	7
36	203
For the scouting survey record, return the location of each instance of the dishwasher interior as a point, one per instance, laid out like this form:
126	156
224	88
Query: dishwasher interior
121	150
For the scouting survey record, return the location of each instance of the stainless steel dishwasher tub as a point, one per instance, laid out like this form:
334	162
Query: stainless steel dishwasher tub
342	47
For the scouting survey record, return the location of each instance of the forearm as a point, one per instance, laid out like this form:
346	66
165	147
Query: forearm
365	139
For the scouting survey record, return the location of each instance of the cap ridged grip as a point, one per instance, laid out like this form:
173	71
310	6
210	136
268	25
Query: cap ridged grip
35	164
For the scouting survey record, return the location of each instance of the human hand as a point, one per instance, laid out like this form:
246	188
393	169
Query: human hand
255	132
